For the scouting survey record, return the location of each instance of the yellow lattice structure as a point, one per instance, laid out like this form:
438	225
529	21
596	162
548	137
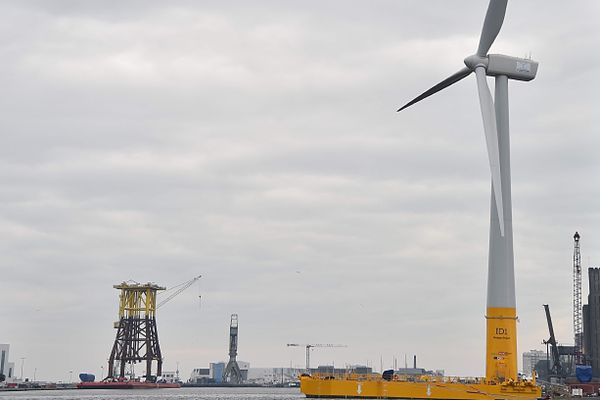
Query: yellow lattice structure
137	300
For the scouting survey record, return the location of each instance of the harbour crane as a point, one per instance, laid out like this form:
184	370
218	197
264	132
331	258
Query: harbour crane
556	367
233	373
310	346
180	288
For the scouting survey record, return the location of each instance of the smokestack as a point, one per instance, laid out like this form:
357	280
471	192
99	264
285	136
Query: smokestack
415	362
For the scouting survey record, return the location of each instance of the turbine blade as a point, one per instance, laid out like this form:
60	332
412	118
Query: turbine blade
488	113
491	25
463	73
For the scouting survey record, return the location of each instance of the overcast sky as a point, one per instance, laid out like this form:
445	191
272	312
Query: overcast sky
257	143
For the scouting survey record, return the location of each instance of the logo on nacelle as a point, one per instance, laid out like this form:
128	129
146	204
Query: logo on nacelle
523	66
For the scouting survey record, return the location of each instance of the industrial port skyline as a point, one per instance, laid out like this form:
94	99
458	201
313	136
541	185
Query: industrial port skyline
258	145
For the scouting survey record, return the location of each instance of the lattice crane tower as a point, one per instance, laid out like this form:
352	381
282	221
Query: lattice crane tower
137	336
577	311
232	373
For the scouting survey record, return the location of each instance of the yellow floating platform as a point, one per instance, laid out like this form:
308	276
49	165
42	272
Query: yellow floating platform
424	387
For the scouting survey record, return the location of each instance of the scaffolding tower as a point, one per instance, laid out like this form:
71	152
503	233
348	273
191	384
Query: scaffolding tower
232	373
137	336
577	310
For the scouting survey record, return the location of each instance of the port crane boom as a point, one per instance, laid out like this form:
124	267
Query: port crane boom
556	366
181	287
310	346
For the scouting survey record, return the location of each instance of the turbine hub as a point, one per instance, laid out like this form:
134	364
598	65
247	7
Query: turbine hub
475	61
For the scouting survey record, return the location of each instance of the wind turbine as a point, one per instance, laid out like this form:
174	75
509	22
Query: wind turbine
501	315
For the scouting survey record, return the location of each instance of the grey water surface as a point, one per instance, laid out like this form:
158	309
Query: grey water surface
161	394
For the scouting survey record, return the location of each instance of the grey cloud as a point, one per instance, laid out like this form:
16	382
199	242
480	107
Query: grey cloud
259	146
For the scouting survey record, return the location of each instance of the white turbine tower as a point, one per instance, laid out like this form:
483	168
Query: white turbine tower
501	352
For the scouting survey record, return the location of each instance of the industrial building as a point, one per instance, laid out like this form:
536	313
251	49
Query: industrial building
215	372
273	376
266	376
200	376
330	369
530	360
591	322
7	368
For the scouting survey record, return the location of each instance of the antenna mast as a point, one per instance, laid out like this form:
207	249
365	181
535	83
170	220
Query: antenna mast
577	317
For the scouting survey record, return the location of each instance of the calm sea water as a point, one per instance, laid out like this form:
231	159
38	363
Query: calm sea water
162	394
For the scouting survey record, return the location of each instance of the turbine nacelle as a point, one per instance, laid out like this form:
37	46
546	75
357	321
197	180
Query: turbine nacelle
521	69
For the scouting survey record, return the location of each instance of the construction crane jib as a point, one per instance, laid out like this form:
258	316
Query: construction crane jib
180	288
310	346
556	367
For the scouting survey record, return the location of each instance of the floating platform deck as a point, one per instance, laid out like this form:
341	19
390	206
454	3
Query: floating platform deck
374	387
